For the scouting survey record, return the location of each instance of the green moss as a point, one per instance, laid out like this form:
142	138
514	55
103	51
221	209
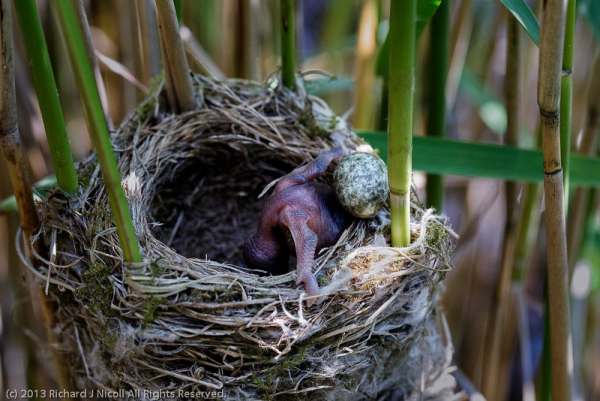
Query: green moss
97	220
437	235
266	381
85	172
152	306
98	288
157	270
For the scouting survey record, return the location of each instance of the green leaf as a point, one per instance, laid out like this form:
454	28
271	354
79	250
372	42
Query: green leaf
9	205
445	156
525	16
425	10
590	9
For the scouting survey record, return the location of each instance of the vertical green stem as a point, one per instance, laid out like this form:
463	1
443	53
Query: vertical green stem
178	10
45	87
566	97
99	131
16	161
86	35
288	45
402	86
437	74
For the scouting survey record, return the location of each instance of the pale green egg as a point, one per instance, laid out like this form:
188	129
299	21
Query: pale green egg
361	184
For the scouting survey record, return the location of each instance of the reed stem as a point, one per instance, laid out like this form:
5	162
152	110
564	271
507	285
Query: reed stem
47	94
549	77
178	4
147	57
496	372
439	50
175	62
288	44
17	168
86	35
200	57
588	146
400	116
99	131
366	50
566	98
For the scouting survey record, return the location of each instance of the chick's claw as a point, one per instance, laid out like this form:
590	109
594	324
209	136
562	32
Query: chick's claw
310	282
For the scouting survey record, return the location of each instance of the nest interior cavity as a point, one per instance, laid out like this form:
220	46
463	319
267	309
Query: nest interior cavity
192	317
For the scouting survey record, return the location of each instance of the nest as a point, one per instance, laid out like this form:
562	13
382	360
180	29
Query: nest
192	318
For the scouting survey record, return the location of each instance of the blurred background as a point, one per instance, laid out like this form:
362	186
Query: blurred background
338	46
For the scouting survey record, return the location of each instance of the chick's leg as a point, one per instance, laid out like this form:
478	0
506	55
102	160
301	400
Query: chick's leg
311	170
305	242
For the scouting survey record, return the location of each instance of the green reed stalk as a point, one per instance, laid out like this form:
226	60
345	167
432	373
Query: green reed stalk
17	168
47	94
549	77
288	44
402	73
178	4
437	74
86	35
566	97
99	131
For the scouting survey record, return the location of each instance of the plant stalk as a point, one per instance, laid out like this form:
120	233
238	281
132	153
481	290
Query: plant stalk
549	76
17	168
588	146
496	372
402	86
288	44
178	4
174	57
199	57
47	94
566	98
86	35
529	221
439	51
147	57
366	49
99	131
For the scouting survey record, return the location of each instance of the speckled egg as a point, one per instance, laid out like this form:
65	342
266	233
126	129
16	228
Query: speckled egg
361	184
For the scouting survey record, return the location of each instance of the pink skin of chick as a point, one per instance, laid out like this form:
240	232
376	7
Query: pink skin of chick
301	217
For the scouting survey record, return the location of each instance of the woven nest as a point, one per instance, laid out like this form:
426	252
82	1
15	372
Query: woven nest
192	317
